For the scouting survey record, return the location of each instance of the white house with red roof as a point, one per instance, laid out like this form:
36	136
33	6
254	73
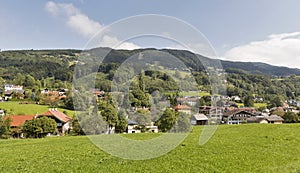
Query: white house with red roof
183	108
63	122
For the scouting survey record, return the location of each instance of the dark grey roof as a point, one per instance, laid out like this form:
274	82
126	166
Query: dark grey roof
130	122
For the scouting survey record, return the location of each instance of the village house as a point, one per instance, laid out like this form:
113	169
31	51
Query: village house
257	119
2	113
183	108
152	128
17	122
63	122
236	116
132	127
191	101
274	119
52	95
199	119
10	89
236	98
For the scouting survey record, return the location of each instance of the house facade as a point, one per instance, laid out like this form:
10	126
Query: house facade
192	101
133	127
183	108
10	89
237	117
63	122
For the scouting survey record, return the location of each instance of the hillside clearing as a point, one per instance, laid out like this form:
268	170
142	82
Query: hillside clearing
14	108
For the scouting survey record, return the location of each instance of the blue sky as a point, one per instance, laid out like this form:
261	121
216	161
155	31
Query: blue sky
258	30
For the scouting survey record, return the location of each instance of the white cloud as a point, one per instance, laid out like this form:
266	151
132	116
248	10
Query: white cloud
110	41
84	25
278	49
74	18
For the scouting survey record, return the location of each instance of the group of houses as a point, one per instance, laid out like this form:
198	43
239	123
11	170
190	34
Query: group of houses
10	89
133	127
63	122
225	114
17	91
54	94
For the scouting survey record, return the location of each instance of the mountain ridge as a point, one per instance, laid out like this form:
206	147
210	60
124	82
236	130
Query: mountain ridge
191	60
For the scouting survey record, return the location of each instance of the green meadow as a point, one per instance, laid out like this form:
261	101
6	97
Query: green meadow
256	105
233	148
15	108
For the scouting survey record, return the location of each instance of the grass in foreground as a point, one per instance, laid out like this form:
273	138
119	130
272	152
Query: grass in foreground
233	148
14	108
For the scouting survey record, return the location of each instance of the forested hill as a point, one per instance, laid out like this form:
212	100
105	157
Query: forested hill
259	68
60	63
190	59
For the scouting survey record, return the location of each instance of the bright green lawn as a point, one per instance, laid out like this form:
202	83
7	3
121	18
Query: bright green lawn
15	108
256	105
192	93
233	148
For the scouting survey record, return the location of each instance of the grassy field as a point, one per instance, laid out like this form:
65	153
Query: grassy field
233	148
256	105
15	108
194	93
191	93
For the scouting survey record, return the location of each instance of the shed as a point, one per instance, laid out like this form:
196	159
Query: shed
274	119
199	119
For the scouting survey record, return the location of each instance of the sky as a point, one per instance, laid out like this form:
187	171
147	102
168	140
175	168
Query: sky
258	30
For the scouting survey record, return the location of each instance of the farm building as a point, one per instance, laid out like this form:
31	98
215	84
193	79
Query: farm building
17	122
274	119
237	116
132	127
63	122
199	119
257	119
192	101
183	108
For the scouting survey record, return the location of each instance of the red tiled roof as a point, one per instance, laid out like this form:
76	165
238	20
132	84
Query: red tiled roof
180	107
19	120
56	113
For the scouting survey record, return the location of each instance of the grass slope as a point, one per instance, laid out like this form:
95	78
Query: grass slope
14	108
256	105
233	148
